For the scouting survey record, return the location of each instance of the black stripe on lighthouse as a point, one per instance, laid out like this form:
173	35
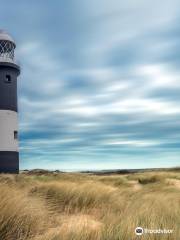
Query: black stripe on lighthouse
9	162
8	87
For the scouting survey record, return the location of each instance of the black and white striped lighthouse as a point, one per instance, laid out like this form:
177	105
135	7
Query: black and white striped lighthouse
9	71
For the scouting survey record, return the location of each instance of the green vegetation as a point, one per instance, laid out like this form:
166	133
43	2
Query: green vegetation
64	206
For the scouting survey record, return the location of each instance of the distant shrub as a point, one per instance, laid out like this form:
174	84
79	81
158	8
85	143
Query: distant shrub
149	179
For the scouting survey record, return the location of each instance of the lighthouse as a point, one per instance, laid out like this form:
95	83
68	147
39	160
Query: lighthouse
9	71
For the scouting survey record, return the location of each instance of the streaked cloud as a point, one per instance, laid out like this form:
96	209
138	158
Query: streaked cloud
100	82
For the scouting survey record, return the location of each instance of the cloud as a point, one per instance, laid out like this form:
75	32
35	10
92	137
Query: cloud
99	85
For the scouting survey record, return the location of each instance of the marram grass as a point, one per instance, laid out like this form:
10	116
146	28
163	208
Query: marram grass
85	207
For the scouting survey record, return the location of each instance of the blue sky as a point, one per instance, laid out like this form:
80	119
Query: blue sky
100	82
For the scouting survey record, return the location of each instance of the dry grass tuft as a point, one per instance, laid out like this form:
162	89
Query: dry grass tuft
20	215
150	179
72	197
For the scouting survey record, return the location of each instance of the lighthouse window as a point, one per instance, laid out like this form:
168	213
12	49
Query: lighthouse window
8	79
15	134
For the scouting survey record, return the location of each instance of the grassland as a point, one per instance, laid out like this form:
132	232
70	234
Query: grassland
64	206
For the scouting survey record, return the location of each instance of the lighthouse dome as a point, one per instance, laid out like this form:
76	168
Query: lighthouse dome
4	36
7	46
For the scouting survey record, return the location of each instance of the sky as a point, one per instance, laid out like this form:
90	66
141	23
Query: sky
100	82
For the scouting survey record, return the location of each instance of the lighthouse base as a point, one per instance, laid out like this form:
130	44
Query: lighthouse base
9	162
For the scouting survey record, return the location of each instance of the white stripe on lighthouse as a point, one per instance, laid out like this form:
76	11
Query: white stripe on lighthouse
8	129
